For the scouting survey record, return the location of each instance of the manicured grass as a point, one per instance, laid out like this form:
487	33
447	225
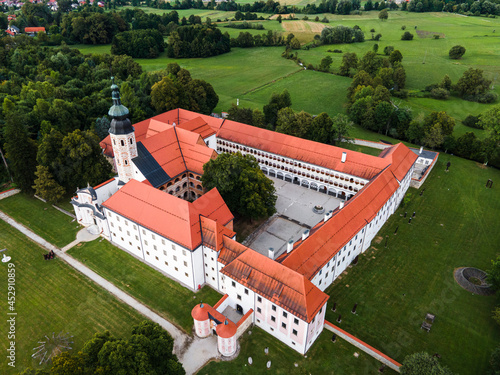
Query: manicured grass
324	357
455	225
53	297
43	219
363	149
165	296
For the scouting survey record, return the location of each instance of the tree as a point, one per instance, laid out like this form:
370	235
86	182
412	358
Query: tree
277	102
445	122
46	186
20	152
423	364
456	52
148	351
321	129
325	63
472	84
341	126
446	83
493	274
407	36
383	15
395	57
490	120
243	186
388	50
349	61
102	125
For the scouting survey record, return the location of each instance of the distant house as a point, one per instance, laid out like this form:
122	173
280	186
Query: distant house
13	30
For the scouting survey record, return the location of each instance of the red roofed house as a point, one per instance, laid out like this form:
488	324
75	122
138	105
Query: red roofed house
33	30
156	209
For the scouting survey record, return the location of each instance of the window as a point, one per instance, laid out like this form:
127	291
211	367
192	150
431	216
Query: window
112	225
186	274
313	320
146	243
164	252
273	318
147	252
238	296
153	237
173	247
320	272
274	307
338	263
246	291
175	258
233	284
122	142
283	325
143	232
184	252
259	310
259	299
154	247
163	242
285	314
185	264
294	332
156	258
176	269
296	321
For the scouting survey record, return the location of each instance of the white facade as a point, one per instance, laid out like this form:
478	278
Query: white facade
124	149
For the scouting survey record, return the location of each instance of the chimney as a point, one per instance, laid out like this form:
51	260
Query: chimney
328	215
289	246
341	205
173	124
421	149
344	157
305	234
270	253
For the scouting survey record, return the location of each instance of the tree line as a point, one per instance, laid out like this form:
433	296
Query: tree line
474	8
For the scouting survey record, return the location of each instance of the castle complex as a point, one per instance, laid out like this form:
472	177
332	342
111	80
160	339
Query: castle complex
157	210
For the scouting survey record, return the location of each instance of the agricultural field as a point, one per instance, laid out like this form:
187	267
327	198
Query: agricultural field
51	297
253	74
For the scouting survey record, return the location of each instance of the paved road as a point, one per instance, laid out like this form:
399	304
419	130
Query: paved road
192	352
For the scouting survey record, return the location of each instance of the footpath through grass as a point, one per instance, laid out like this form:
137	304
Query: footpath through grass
324	357
53	297
456	225
43	219
163	295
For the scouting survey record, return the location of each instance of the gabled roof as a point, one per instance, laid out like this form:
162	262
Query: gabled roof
401	157
199	126
169	216
277	283
149	167
213	233
326	156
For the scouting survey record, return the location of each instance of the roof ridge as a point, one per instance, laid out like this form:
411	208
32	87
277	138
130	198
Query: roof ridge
180	148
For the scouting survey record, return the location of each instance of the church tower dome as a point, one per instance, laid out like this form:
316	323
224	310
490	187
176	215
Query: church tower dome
122	136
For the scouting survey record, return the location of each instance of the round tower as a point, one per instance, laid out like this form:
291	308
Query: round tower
201	320
122	136
226	338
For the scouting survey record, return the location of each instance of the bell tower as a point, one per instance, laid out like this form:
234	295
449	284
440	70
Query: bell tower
122	136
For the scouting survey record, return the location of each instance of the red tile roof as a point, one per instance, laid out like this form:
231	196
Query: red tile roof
199	126
169	216
357	164
213	233
34	29
277	283
402	158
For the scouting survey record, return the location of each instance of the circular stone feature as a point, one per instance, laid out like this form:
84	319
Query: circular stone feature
318	209
473	280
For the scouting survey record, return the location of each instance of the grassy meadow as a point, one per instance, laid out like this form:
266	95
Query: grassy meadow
163	295
53	297
43	219
253	74
455	226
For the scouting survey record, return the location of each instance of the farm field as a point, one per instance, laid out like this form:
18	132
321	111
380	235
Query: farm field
53	297
396	286
253	74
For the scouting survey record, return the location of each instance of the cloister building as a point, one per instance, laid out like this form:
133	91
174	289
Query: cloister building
157	210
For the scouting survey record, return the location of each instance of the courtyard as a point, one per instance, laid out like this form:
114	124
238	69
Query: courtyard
294	215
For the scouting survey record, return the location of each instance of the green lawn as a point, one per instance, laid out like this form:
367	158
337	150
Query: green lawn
324	357
456	225
50	224
165	296
53	297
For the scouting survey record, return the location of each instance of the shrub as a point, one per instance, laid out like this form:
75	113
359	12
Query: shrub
407	36
402	94
472	122
337	51
305	18
325	20
310	66
372	30
403	27
436	36
440	93
488	97
456	52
